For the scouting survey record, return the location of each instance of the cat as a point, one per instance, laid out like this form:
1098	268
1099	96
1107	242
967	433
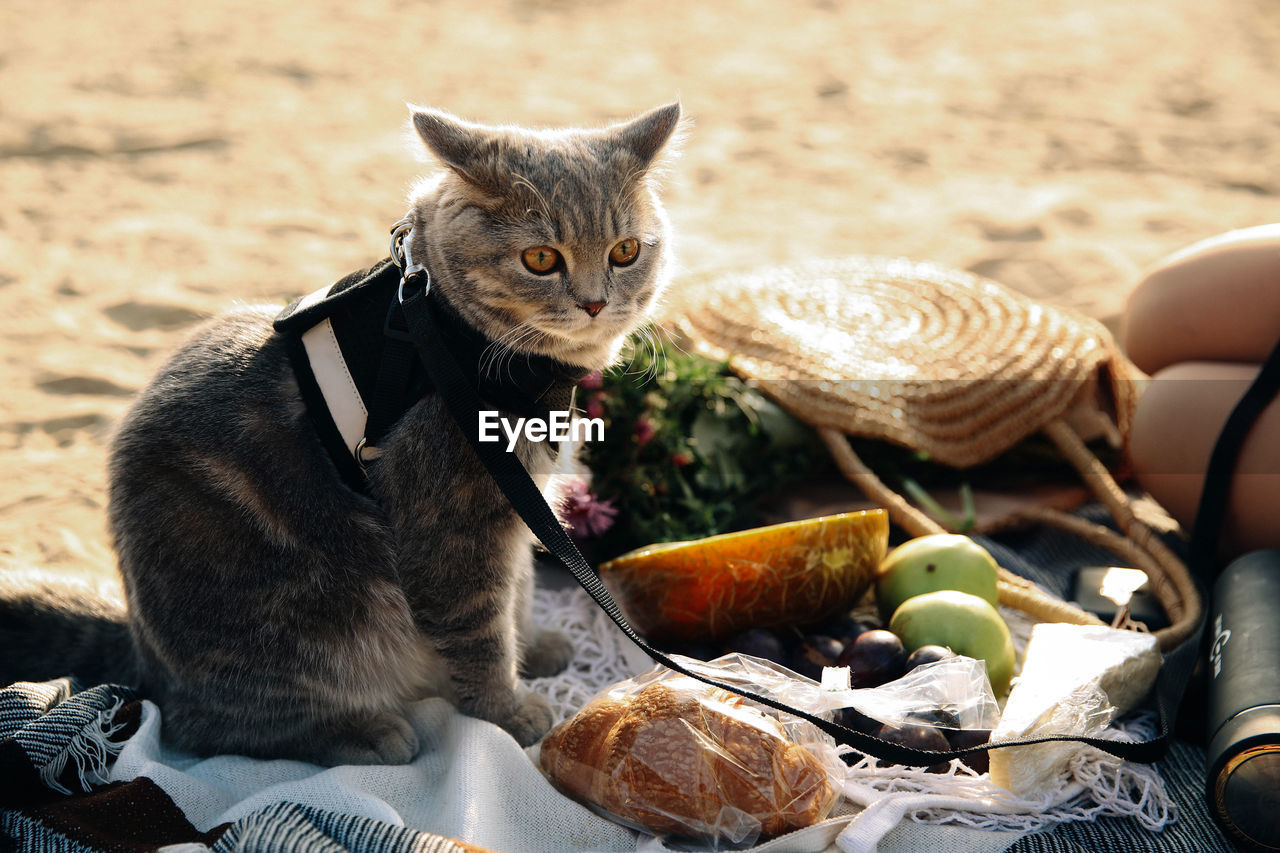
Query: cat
274	610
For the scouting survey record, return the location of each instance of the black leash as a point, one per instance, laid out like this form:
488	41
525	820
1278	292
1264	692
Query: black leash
1215	494
1215	498
463	403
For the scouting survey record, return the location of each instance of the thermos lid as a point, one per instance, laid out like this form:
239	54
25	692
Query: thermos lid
1244	783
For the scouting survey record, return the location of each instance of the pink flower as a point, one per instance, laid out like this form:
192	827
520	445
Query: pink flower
586	514
595	406
682	458
644	431
592	381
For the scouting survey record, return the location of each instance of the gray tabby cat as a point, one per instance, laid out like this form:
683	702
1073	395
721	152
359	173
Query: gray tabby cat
275	611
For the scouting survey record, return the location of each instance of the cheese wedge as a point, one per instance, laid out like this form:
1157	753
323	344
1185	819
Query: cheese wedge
1071	674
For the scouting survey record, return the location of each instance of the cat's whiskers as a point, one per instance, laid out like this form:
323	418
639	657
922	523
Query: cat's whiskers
513	349
671	336
646	346
659	354
634	353
650	337
654	340
508	345
492	353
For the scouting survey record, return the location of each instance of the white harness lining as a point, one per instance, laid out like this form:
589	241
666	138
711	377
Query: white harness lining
346	406
339	389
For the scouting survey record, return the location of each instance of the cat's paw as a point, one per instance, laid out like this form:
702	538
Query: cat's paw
549	653
382	738
531	719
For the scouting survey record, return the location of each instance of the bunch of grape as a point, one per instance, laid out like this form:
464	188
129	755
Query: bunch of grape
933	729
874	657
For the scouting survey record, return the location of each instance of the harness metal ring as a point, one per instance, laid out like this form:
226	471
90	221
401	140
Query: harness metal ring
365	453
409	269
398	232
414	271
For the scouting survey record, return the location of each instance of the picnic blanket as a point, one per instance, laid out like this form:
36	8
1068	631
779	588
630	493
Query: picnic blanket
86	770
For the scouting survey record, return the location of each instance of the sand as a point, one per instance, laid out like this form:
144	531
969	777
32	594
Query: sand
159	163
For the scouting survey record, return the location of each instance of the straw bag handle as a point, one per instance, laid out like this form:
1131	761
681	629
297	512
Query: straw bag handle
1169	578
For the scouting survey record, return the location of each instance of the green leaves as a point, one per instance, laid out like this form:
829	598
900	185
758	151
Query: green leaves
690	452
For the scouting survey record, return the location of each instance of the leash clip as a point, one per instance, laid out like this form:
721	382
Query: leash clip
410	270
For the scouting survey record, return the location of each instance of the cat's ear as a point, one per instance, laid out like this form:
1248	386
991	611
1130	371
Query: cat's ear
460	145
649	134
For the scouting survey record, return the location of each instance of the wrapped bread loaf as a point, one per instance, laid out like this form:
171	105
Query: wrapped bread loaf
684	759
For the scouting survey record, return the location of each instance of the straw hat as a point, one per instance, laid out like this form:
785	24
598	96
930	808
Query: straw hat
943	362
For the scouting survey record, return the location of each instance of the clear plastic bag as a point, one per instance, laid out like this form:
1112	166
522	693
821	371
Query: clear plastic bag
938	706
671	756
952	693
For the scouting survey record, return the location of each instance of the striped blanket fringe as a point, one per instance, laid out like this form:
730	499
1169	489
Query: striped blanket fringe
57	743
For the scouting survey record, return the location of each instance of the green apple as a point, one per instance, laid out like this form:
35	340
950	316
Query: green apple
969	625
934	562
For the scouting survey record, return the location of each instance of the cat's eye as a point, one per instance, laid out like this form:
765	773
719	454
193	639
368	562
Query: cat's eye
625	252
541	260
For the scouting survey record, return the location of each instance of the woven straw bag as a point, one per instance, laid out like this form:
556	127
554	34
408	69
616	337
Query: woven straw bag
947	363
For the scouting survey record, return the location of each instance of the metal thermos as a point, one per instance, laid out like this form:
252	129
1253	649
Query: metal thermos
1244	700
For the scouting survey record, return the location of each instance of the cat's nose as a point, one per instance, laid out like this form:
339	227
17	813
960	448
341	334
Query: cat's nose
593	308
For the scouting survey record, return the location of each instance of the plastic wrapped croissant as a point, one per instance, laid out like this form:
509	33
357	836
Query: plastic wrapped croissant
675	757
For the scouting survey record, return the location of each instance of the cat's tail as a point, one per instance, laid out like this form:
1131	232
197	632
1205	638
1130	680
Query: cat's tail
53	626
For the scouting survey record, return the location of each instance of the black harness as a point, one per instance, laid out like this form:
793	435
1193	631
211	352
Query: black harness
359	371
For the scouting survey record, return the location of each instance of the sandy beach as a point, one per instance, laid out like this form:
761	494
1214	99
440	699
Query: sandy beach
159	163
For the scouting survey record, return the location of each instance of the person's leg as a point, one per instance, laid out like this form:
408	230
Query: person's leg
1201	321
1217	300
1177	423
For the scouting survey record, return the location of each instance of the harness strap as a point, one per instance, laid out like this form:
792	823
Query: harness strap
356	365
395	374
